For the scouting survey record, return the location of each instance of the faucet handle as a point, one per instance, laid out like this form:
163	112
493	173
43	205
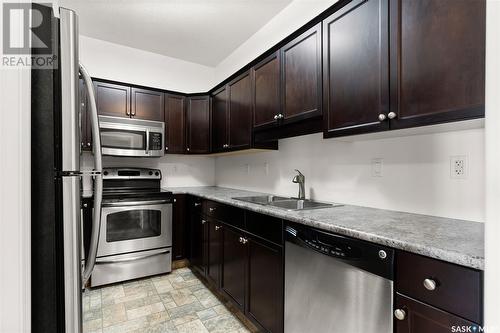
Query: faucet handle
300	173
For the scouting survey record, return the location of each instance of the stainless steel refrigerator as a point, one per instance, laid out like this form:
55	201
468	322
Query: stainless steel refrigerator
57	273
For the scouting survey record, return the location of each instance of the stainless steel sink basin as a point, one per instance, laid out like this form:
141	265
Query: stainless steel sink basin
285	203
262	199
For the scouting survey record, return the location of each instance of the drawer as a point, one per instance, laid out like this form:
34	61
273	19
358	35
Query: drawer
267	227
457	289
228	214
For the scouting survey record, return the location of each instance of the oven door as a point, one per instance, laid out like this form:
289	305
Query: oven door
129	226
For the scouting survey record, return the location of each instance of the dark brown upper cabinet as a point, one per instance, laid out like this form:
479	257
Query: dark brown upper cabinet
356	68
198	125
147	104
301	76
240	112
175	124
220	117
112	99
266	91
437	61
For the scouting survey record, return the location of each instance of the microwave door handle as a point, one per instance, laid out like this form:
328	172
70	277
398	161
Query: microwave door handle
97	174
147	141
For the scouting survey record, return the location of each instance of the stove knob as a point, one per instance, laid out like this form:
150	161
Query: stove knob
105	173
157	173
150	173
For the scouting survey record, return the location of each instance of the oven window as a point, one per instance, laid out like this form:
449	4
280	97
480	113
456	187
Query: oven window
123	139
133	224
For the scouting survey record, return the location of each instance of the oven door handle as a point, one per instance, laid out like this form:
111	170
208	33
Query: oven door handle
147	141
136	203
115	261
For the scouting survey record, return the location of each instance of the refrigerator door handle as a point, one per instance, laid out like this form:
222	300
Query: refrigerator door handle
96	138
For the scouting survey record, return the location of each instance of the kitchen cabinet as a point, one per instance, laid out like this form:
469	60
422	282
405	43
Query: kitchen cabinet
266	83
301	77
220	120
356	73
265	284
240	112
417	317
437	59
175	124
85	125
179	227
234	263
214	253
112	99
147	104
198	229
198	125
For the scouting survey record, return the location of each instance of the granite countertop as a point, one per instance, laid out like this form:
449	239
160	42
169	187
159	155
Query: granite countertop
456	241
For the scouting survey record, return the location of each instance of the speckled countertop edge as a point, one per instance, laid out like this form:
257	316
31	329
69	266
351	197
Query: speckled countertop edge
456	241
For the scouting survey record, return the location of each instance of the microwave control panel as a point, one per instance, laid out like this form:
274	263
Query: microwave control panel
155	141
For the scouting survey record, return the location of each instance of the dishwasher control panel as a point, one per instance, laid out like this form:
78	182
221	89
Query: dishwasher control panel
333	249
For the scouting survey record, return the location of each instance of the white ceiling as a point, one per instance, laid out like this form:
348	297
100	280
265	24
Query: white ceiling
200	31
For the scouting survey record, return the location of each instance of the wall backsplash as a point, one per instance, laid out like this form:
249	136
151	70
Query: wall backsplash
415	175
177	170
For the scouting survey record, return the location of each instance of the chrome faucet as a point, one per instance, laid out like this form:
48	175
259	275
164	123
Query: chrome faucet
301	180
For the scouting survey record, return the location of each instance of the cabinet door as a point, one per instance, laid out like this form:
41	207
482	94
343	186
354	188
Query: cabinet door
422	318
199	244
198	125
112	99
234	262
266	91
437	61
85	127
175	124
147	104
179	227
265	285
240	112
214	252
356	73
301	81
219	120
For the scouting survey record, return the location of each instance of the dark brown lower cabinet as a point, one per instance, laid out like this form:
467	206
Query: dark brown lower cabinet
423	318
214	253
179	227
234	266
199	251
265	284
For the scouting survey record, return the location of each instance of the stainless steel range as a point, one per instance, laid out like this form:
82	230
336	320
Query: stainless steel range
135	239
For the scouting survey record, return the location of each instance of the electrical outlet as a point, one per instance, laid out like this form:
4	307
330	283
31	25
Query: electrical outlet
377	167
458	167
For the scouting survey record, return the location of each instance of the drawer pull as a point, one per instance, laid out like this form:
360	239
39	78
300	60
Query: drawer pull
196	204
430	284
217	227
400	314
203	221
211	210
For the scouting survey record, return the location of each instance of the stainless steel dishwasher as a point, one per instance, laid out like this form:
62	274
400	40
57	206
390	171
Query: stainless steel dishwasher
336	284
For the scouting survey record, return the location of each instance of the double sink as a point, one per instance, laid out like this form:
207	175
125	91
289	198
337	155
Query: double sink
285	202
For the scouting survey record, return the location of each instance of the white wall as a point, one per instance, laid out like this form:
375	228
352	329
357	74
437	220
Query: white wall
177	170
292	17
492	230
121	63
416	172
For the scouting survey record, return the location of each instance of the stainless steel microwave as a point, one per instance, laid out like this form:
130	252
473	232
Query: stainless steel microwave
131	137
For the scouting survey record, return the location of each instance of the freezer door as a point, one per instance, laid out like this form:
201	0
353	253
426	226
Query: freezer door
70	123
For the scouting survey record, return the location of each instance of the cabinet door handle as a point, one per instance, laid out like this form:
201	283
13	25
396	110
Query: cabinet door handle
400	314
275	117
382	117
430	284
243	240
391	115
203	221
211	209
89	144
187	149
166	148
197	204
217	227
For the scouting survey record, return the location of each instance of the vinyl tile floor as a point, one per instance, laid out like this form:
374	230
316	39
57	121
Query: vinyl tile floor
175	302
